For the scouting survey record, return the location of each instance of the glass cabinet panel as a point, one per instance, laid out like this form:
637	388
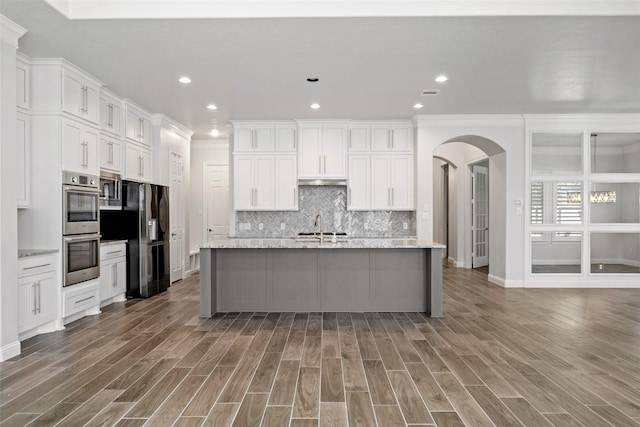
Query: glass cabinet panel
556	252
556	153
615	152
614	202
615	252
557	202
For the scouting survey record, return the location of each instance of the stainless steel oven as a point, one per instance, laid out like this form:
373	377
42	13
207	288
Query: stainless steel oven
80	204
81	258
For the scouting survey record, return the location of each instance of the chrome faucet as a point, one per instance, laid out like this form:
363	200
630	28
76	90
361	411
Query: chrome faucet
317	221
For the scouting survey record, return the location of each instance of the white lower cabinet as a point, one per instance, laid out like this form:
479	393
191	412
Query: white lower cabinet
138	163
113	273
80	300
392	182
37	291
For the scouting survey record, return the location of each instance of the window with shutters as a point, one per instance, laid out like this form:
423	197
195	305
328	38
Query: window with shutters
551	204
537	208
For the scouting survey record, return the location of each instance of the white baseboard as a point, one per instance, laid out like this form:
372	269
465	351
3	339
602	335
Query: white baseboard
456	264
10	350
505	283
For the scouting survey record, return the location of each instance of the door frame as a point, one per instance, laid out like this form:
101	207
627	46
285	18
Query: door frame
482	164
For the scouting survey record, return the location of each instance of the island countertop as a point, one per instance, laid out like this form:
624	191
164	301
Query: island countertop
292	243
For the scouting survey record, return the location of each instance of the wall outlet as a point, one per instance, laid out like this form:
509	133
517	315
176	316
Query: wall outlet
366	225
241	226
247	226
260	226
405	226
282	226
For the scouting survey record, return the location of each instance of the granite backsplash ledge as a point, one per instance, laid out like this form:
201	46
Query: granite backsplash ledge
331	202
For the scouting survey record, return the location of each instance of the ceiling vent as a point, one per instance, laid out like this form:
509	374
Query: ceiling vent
430	92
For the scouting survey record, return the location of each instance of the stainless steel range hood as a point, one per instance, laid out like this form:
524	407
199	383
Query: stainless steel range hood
317	182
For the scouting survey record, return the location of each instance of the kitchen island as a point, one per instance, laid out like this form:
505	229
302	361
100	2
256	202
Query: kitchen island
390	275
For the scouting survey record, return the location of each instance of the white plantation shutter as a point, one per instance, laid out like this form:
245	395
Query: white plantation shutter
566	212
537	203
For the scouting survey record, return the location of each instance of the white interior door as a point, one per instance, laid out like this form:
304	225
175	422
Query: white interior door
217	202
480	216
176	217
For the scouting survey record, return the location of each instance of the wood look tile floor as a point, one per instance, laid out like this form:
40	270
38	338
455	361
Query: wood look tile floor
499	357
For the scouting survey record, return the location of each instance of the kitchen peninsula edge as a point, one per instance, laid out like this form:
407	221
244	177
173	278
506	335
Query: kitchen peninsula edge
384	274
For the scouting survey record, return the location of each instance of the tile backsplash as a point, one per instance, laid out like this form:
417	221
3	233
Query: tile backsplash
331	202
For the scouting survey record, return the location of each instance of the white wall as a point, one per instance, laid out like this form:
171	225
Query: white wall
203	152
10	32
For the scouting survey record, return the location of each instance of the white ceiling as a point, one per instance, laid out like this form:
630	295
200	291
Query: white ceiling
369	68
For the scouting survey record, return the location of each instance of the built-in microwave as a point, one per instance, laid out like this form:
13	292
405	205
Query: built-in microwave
80	206
110	191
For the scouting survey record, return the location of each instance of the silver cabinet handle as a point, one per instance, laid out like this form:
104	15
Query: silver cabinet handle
142	164
36	266
85	299
113	252
39	297
319	164
325	164
33	287
349	197
114	274
294	140
392	195
393	134
294	196
389	196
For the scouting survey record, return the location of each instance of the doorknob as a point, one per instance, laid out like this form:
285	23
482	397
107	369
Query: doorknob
173	234
210	230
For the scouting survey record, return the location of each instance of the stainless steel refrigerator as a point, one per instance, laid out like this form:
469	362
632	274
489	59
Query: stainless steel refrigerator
149	252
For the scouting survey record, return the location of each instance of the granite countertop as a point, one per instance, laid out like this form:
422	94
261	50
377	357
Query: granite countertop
26	253
292	243
112	242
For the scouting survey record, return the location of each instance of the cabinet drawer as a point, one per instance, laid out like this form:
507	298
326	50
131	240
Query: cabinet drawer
82	298
36	265
111	251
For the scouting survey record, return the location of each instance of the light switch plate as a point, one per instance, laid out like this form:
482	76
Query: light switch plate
282	226
247	226
405	226
260	226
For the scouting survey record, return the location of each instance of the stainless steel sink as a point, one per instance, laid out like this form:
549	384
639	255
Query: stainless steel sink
315	237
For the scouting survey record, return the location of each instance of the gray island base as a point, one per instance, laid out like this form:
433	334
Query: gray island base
388	275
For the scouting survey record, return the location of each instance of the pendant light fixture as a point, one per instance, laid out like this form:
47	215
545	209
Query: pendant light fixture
601	196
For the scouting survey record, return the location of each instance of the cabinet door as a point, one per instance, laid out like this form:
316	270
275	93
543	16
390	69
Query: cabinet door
359	138
380	188
72	94
23	152
335	153
145	161
74	150
243	192
380	138
22	85
309	154
401	182
264	183
243	139
132	125
106	279
264	138
401	139
120	283
91	140
110	117
286	183
92	104
46	298
359	190
285	139
26	303
133	169
110	154
145	131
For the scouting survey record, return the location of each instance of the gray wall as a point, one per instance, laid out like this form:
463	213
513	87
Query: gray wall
331	201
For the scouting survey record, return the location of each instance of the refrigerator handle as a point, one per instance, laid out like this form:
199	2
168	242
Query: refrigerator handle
153	229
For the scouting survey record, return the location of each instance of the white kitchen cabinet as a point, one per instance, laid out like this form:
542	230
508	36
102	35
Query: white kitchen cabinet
23	152
80	147
359	188
254	138
111	116
110	153
22	83
286	183
254	182
137	125
359	137
391	137
113	273
322	152
80	96
37	290
392	182
137	163
286	138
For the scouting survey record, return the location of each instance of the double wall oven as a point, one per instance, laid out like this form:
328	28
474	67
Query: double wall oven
81	227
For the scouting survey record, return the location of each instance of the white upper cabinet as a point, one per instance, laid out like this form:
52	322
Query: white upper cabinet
80	147
392	182
110	153
266	137
391	137
23	166
22	84
286	182
254	182
359	137
138	163
359	189
323	150
80	96
137	124
111	117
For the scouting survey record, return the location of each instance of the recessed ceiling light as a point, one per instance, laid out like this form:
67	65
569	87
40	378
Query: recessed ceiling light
312	79
184	80
417	106
215	132
212	107
315	106
442	78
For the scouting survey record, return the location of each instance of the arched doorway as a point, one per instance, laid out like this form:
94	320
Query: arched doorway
473	169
